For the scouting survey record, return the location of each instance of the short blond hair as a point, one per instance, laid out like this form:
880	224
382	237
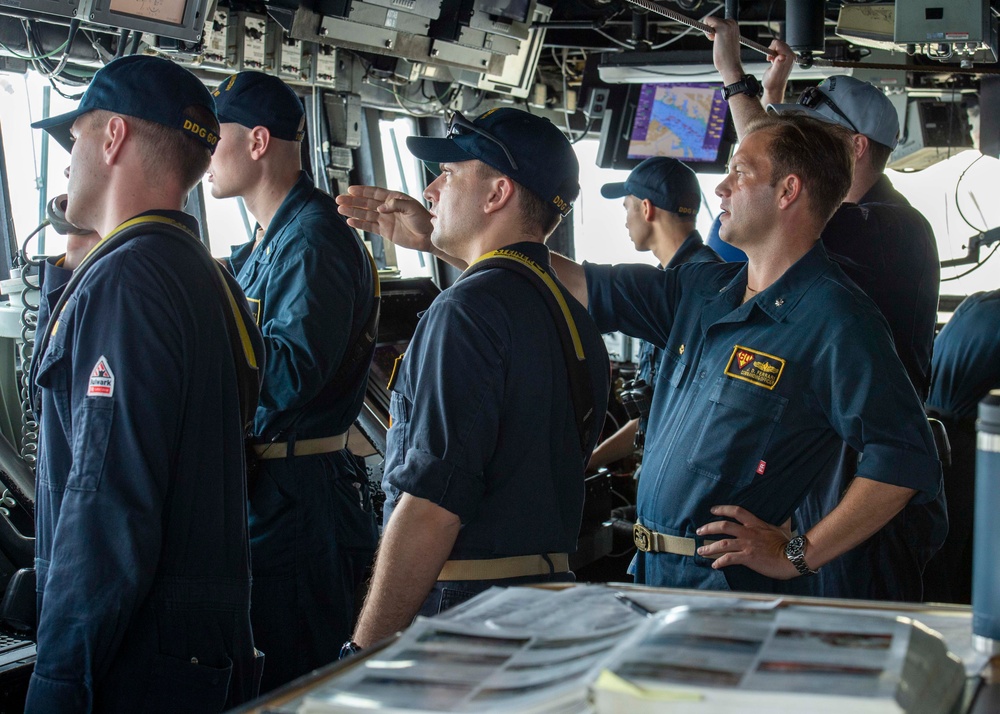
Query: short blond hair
164	148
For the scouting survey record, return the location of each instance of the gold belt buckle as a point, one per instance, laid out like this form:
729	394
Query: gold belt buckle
643	537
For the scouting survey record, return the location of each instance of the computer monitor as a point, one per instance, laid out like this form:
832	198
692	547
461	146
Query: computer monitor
688	121
179	19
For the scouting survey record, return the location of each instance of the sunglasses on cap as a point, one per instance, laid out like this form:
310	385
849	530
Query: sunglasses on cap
459	125
812	98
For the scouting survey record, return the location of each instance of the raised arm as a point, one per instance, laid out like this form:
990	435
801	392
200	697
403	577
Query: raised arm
397	217
726	56
572	276
776	77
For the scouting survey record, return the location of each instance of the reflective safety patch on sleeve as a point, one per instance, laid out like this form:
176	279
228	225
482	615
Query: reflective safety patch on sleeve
102	380
755	367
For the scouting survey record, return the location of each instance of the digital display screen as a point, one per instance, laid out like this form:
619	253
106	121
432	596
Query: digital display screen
682	121
168	11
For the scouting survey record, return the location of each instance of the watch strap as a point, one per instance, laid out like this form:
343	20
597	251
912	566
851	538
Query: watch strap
348	649
747	84
795	552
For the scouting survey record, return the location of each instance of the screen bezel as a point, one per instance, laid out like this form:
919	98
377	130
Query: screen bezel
616	131
189	29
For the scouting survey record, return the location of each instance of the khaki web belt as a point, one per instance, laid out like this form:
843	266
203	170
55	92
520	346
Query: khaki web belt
303	447
652	542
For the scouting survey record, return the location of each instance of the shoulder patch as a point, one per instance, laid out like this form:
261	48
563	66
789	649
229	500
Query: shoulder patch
102	380
755	367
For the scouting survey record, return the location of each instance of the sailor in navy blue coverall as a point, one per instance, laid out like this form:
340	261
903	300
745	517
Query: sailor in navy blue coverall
141	540
888	249
752	400
966	366
967	357
311	286
485	458
661	200
767	369
495	447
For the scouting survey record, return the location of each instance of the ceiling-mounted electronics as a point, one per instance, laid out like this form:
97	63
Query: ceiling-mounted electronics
955	30
178	19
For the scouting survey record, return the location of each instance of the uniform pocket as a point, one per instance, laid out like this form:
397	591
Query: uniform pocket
355	521
90	443
740	423
53	374
671	370
177	685
450	597
396	439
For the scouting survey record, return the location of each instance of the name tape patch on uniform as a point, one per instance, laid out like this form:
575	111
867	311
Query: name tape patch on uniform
102	380
254	305
755	367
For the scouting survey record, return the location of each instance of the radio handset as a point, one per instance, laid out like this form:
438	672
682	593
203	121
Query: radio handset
55	211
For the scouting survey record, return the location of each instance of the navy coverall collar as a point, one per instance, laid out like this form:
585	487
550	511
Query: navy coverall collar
777	301
691	245
882	191
294	201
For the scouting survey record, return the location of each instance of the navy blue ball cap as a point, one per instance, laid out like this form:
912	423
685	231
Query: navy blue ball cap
257	99
667	183
527	148
150	88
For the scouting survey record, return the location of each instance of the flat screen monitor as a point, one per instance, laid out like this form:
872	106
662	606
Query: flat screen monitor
687	121
169	11
179	19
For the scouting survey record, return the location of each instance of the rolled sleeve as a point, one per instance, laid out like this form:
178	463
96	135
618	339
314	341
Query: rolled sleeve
599	295
902	467
876	411
426	476
53	696
449	426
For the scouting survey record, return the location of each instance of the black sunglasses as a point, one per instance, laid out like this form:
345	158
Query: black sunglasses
460	125
812	98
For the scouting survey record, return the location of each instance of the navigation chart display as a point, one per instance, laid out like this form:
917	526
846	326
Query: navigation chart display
683	121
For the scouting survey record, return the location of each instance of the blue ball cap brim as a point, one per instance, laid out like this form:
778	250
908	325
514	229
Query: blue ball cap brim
436	150
614	190
58	127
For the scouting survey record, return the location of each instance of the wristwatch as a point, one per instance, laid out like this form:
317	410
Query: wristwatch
348	648
795	551
747	84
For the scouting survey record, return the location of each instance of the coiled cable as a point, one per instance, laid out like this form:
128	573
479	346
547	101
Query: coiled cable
29	322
